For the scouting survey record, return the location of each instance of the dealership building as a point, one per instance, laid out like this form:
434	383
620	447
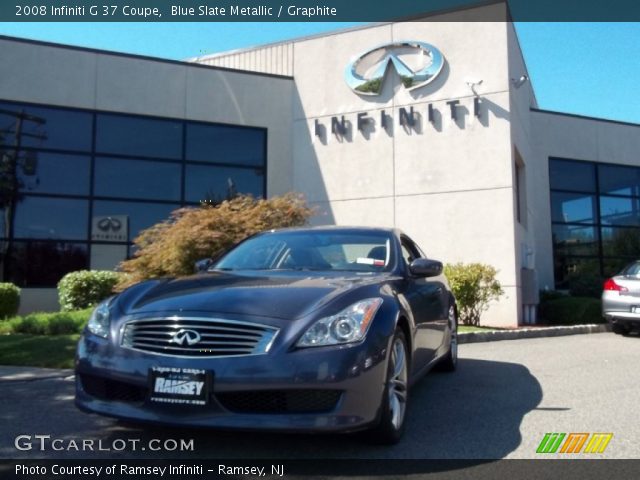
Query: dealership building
432	127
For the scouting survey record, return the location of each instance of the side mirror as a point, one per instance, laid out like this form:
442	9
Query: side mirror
203	265
425	267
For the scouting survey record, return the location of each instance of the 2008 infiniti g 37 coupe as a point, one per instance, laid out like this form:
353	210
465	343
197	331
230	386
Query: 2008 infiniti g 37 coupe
316	329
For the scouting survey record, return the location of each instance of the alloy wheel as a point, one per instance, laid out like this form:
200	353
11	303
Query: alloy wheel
398	383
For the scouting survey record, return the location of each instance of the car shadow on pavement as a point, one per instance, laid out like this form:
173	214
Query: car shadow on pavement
474	413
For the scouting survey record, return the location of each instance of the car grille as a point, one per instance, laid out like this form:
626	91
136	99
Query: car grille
198	337
280	401
106	389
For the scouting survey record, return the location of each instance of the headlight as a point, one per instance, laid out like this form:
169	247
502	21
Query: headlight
99	320
349	325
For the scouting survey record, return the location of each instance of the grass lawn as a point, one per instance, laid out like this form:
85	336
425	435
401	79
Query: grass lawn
50	351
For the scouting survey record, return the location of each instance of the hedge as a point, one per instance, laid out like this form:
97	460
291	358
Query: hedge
85	288
571	311
9	300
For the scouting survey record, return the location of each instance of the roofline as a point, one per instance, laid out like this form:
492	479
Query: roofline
585	117
340	31
135	56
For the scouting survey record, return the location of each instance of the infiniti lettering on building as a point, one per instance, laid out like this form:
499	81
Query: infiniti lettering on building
416	64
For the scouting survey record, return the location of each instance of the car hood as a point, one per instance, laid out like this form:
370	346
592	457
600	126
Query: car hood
281	295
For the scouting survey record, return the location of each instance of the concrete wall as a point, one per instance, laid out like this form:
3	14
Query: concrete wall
447	184
56	75
521	99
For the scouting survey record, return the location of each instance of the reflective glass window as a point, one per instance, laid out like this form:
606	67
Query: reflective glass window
139	215
618	180
43	127
570	175
613	266
209	183
575	240
4	222
620	242
52	218
566	267
127	135
43	264
43	172
619	211
573	207
141	179
225	144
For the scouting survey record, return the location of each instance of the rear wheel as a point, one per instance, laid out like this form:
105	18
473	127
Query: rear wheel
394	399
620	329
450	361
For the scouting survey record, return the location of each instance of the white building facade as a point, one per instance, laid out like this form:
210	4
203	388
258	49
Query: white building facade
453	150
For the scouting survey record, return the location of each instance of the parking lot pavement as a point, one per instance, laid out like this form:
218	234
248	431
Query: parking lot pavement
499	404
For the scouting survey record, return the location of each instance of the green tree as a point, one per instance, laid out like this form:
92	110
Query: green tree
172	247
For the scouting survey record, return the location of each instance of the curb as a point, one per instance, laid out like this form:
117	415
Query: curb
29	374
540	332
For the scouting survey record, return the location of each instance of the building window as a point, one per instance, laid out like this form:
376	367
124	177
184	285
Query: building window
78	185
595	214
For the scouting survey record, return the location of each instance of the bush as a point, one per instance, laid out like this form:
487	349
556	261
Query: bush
474	285
9	299
571	311
85	288
585	285
57	323
172	247
548	295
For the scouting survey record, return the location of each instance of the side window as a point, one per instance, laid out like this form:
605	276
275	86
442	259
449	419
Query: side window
409	251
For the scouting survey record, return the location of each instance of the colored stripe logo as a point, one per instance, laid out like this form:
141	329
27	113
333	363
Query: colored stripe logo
574	443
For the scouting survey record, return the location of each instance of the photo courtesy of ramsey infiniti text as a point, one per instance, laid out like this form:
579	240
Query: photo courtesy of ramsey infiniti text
312	330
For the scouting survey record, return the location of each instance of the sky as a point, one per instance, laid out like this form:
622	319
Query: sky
582	68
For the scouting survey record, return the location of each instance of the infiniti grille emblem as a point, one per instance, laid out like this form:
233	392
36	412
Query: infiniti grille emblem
185	337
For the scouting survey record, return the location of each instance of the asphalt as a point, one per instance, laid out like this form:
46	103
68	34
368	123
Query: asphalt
499	404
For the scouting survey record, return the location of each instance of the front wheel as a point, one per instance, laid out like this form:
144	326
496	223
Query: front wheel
394	399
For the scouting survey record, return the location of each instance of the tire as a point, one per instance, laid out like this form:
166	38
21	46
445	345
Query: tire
394	398
619	329
449	362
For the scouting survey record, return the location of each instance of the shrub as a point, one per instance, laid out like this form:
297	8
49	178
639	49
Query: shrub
548	295
85	288
571	311
585	285
172	247
474	285
9	299
39	323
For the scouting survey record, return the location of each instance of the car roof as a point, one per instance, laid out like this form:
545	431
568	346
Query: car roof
339	228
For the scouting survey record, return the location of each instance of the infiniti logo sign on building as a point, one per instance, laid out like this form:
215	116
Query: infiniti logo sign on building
417	64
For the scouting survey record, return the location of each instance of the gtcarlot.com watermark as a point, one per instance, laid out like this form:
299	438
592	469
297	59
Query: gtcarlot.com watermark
44	443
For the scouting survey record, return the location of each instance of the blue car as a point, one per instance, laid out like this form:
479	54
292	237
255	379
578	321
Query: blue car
311	329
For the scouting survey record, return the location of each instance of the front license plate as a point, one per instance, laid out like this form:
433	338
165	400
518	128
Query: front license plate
172	385
635	309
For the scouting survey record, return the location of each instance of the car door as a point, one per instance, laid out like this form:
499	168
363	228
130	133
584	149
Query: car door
427	298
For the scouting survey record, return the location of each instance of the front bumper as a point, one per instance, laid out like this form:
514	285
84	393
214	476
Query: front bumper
342	385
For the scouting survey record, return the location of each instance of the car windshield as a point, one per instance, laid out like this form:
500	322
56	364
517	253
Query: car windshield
311	250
